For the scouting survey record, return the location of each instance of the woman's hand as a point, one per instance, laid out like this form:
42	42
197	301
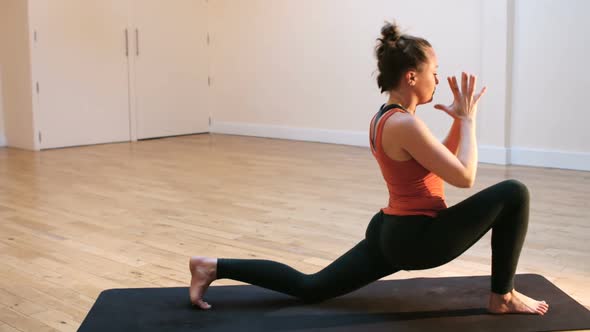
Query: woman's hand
465	104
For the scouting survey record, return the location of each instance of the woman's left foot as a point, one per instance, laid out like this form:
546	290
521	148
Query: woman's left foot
203	273
516	303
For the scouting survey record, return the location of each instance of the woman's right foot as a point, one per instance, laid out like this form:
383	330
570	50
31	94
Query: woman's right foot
203	273
516	303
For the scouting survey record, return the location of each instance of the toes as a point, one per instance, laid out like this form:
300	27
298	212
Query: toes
203	305
542	309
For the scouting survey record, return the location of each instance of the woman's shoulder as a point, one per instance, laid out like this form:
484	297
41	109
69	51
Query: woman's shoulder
398	127
404	123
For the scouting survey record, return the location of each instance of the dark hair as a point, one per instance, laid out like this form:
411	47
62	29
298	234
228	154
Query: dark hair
396	53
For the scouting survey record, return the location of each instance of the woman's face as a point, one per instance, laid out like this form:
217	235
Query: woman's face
426	78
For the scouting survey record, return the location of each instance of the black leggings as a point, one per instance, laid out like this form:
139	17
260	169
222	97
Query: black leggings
394	243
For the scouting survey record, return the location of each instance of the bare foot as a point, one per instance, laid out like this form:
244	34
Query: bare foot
515	302
203	272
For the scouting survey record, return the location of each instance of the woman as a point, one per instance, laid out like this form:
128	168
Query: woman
416	230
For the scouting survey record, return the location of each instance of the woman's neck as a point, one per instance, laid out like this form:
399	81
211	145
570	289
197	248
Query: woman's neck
403	100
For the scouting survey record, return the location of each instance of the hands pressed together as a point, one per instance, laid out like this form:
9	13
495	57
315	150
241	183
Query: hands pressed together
464	105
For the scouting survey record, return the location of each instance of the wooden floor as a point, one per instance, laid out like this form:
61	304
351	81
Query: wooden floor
76	221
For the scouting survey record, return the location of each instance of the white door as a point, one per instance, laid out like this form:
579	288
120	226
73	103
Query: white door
170	67
80	63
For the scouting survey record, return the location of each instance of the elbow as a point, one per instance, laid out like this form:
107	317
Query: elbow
465	182
468	178
468	182
464	185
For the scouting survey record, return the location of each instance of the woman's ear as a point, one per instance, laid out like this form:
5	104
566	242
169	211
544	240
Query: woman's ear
411	77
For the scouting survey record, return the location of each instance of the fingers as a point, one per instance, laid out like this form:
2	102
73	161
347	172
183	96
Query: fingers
454	87
446	109
483	91
471	88
442	108
464	84
468	85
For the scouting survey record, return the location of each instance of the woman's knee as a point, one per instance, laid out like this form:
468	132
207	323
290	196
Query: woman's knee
310	291
517	192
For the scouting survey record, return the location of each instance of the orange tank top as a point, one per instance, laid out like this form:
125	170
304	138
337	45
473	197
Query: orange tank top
413	189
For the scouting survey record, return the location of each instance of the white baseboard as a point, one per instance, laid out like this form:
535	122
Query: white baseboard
490	154
487	154
552	159
355	138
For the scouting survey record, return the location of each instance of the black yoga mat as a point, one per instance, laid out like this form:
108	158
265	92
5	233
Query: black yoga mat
419	304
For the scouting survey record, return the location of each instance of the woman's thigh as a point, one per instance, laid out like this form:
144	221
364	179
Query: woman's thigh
430	242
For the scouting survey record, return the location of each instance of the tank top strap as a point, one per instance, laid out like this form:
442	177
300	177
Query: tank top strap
379	121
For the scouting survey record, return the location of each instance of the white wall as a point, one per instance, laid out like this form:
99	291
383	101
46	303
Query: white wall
16	74
551	76
493	117
304	68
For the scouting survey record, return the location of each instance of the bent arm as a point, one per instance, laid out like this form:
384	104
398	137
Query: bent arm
453	137
467	153
458	170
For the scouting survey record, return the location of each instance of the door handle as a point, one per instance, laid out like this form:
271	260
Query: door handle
137	42
126	43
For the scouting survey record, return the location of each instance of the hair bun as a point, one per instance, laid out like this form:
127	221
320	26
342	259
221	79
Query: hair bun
396	53
390	32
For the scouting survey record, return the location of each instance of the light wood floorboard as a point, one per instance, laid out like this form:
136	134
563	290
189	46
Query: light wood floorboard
77	221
